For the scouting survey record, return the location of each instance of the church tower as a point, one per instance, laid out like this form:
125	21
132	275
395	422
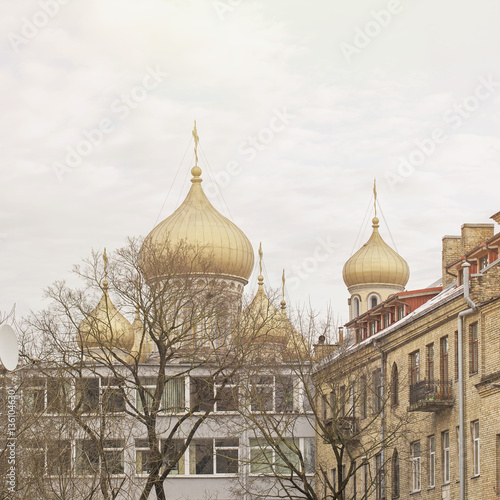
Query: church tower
374	272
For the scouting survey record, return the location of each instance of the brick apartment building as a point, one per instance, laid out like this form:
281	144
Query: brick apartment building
421	424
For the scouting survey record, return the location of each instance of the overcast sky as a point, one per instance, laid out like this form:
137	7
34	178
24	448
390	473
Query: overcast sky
299	106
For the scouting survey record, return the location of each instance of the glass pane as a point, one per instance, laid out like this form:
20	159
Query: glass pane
227	461
204	456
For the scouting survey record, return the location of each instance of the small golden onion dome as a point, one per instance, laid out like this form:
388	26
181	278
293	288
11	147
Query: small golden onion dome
376	263
217	240
105	327
270	329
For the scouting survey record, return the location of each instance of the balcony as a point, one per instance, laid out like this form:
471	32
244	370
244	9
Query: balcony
433	395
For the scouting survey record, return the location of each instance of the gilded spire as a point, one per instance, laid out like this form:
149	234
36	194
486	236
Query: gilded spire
105	259
375	219
196	141
283	302
261	254
196	170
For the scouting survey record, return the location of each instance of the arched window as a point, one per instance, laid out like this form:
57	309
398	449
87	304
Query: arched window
356	307
395	385
373	300
395	474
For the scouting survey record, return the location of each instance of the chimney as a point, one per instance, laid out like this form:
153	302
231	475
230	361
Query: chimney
322	349
452	250
474	234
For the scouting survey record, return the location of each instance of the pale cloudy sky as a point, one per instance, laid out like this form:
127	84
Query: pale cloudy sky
299	106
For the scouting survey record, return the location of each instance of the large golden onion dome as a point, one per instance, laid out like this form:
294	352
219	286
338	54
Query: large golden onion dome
221	247
376	263
105	327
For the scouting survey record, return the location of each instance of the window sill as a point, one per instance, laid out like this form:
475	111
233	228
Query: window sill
416	492
430	488
476	476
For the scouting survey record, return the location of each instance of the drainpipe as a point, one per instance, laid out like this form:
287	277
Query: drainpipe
382	413
461	403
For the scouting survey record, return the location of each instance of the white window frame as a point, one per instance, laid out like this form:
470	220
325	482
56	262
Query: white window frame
432	461
445	440
416	468
475	447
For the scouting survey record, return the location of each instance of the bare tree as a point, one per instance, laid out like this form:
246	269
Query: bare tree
121	387
346	405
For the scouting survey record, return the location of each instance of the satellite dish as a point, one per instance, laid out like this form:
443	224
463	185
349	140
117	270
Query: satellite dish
9	352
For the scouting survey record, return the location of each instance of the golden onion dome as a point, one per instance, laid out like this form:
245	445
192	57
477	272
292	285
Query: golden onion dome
216	240
376	263
105	327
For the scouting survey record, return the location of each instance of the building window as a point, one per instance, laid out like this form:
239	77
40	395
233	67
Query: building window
113	395
377	390
202	394
373	328
379	486
272	393
432	461
497	460
58	457
400	312
475	447
354	481
387	319
87	395
395	475
456	355
356	309
445	442
483	262
414	367
214	456
366	478
87	458
359	335
373	302
173	397
363	398
395	385
444	359
172	457
226	394
281	456
142	456
342	401
415	466
35	459
473	349
113	454
430	363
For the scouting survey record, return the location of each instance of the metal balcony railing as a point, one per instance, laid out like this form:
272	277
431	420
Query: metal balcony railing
431	395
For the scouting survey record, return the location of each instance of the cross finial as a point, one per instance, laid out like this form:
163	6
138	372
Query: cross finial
196	141
105	259
283	302
375	195
261	254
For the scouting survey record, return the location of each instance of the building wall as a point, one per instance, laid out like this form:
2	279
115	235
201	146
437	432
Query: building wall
482	401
